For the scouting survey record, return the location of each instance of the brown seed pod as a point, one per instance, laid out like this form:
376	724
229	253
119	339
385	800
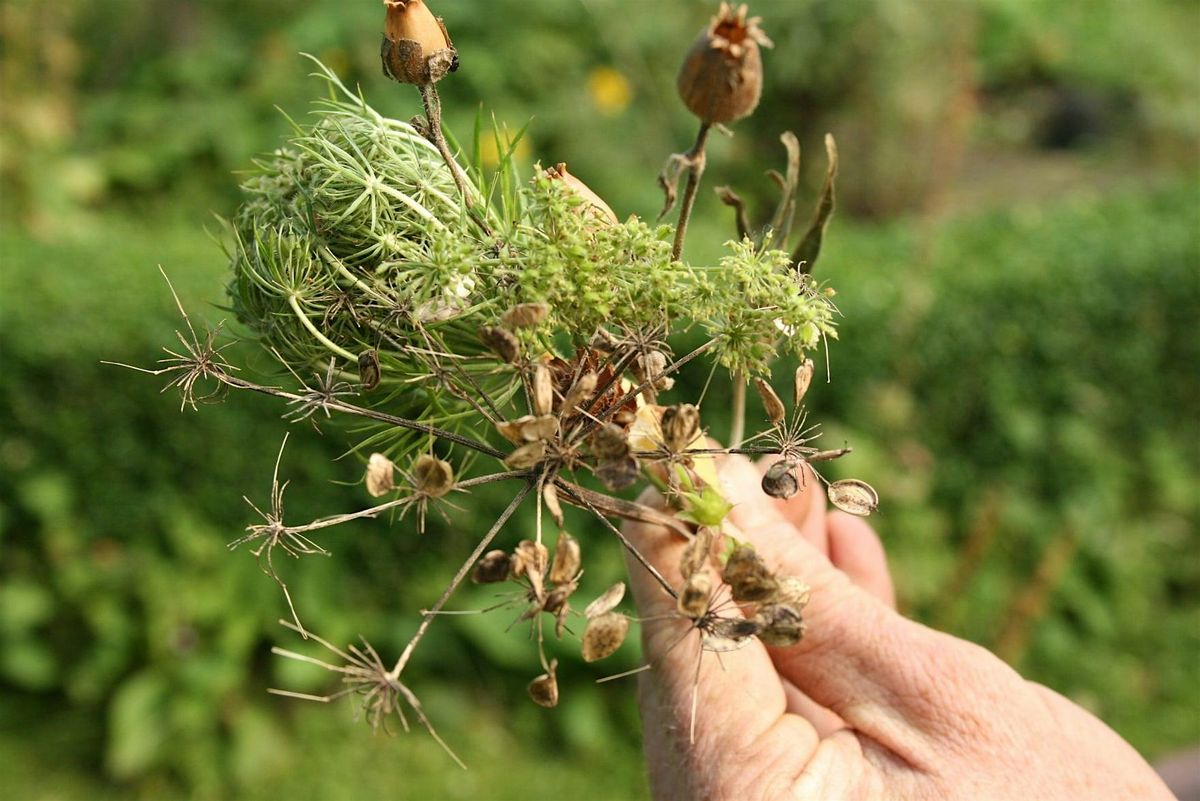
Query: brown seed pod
550	498
556	599
780	480
526	315
526	456
543	390
721	77
804	376
728	634
607	601
748	577
854	496
648	368
680	424
432	476
579	392
501	342
772	405
381	475
828	456
528	429
604	635
530	558
610	442
593	205
493	568
793	592
567	559
369	371
416	47
618	474
779	625
693	598
696	554
544	689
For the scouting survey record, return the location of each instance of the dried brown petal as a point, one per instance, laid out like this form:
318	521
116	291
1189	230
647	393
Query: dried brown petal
804	376
680	424
618	474
695	555
780	480
610	442
526	315
780	625
567	559
544	689
543	390
604	635
693	599
854	496
432	476
606	602
593	204
369	371
528	558
579	392
721	77
494	567
381	475
772	405
526	456
748	577
500	341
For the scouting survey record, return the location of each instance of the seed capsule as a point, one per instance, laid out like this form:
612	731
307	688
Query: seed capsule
772	405
695	555
748	577
593	205
526	456
680	424
721	77
501	342
804	376
550	498
793	592
494	567
779	625
610	442
579	392
544	689
369	371
618	474
780	480
606	602
693	599
381	475
432	476
854	496
604	635
648	368
526	315
543	390
567	559
529	558
416	47
728	634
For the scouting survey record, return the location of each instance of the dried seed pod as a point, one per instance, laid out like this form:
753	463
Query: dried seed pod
544	689
567	559
604	635
680	425
416	47
381	475
432	476
780	625
610	442
772	405
804	376
695	555
544	427
648	368
556	599
607	601
854	496
550	498
501	341
593	205
618	474
828	456
526	315
579	392
781	480
526	456
493	568
748	577
693	598
721	77
793	592
543	390
369	371
529	558
728	634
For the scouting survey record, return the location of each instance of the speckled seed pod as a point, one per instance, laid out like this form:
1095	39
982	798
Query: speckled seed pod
604	635
416	47
369	371
721	78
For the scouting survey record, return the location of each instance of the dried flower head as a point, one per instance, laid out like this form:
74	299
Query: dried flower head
721	77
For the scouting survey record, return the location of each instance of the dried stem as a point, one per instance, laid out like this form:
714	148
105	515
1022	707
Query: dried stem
737	412
433	113
695	159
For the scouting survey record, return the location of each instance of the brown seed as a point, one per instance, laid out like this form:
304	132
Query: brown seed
494	567
793	592
804	376
369	371
780	480
416	47
696	554
693	599
604	635
780	625
432	476
544	689
727	634
593	205
526	456
648	368
567	559
772	405
381	475
550	498
618	474
528	558
501	341
606	602
748	577
854	496
543	390
680	424
556	599
526	315
721	77
828	456
579	392
610	442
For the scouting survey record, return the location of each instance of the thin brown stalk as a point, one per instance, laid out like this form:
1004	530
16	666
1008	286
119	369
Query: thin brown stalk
695	160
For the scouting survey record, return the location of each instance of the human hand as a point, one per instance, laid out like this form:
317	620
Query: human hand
868	704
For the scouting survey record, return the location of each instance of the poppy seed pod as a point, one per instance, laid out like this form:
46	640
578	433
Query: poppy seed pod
416	47
721	78
593	205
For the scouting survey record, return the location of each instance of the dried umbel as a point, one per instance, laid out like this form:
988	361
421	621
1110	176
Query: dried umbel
592	204
416	47
721	77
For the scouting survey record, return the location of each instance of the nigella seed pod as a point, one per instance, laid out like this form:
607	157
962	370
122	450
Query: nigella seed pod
369	372
593	205
416	47
781	480
492	568
721	78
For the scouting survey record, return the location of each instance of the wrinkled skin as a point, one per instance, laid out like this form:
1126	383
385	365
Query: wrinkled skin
869	704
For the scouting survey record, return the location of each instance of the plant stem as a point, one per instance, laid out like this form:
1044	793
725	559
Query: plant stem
429	614
433	113
737	413
695	159
294	302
